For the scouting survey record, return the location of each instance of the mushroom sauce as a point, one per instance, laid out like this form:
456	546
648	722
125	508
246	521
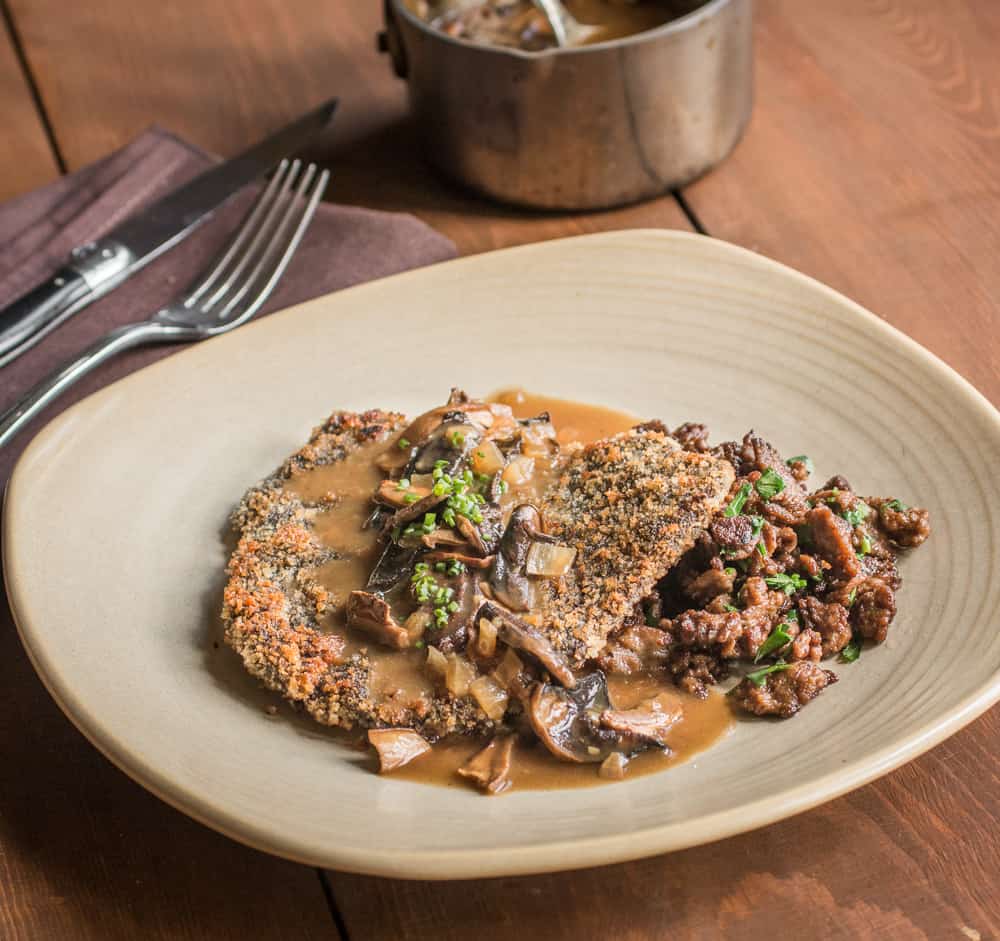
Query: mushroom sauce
519	24
404	675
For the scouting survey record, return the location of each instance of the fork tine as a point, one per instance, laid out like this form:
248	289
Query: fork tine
220	263
279	250
259	234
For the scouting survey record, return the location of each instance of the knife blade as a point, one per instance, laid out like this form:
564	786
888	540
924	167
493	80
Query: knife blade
94	269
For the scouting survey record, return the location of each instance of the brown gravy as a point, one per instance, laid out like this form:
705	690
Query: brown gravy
347	486
521	25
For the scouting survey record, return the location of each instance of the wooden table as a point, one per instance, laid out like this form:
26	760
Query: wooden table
872	163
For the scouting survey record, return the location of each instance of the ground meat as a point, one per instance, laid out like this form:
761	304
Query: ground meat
708	585
636	649
734	534
829	620
692	436
695	672
785	692
873	609
907	528
837	482
808	645
731	634
799	469
832	537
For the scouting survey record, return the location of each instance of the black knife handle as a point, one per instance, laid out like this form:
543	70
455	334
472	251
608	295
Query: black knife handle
33	314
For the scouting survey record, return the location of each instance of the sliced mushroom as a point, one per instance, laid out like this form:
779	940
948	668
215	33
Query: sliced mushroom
371	614
412	511
394	566
649	722
455	634
490	768
396	747
392	494
565	721
443	537
508	579
514	632
469	561
451	441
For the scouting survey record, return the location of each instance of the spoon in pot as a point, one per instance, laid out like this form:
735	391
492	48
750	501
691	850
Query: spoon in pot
568	30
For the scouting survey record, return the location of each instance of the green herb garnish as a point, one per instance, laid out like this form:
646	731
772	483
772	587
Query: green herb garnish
866	546
859	514
803	459
896	505
455	567
789	584
852	651
422	529
411	497
456	439
852	596
777	639
769	484
730	571
403	443
739	501
758	676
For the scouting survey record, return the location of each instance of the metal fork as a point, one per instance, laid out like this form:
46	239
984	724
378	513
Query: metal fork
226	295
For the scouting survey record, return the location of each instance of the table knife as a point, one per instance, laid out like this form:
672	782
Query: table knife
94	269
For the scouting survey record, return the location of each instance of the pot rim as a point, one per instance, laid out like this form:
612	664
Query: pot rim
706	11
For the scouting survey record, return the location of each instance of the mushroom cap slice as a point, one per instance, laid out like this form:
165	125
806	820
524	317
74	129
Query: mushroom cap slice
396	747
566	719
490	767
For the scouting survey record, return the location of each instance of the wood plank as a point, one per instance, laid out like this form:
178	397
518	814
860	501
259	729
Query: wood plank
26	159
873	164
87	854
109	68
914	856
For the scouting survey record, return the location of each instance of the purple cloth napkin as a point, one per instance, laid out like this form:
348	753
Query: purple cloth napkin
345	245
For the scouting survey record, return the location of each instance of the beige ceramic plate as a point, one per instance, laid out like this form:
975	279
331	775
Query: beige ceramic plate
115	516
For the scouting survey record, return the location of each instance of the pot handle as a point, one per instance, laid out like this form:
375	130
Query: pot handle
389	40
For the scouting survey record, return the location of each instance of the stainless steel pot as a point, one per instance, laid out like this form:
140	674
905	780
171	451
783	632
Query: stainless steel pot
581	128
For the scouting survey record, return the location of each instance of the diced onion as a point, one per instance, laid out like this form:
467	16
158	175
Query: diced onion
437	663
519	471
490	695
508	669
613	766
549	560
537	438
486	643
486	458
458	675
417	623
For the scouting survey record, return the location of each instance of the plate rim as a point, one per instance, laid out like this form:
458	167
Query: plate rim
431	864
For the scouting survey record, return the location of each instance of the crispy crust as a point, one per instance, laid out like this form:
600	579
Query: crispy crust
271	605
632	505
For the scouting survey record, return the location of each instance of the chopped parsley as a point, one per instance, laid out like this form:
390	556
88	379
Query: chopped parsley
852	651
858	515
757	677
403	443
456	439
769	484
866	546
777	639
852	596
739	501
802	459
896	505
757	523
789	584
730	607
731	572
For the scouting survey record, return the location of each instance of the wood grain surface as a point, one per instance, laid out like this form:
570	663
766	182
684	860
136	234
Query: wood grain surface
26	159
872	162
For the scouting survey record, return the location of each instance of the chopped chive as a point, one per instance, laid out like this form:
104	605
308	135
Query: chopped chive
852	596
411	497
403	443
866	546
730	607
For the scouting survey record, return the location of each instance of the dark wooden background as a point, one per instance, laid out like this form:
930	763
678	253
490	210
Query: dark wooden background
872	163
